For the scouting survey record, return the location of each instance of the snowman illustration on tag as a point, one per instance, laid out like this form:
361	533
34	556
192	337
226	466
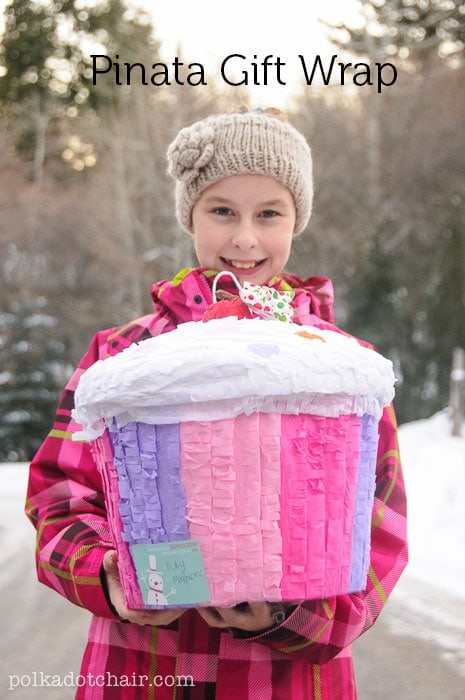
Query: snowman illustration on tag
155	595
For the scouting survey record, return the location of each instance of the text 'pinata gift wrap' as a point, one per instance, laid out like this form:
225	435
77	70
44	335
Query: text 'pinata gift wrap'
238	459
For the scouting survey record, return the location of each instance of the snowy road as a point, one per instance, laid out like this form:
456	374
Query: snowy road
408	655
41	632
414	652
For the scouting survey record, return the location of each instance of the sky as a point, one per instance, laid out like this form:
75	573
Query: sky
209	32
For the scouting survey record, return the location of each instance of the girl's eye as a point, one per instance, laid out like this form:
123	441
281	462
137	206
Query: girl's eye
222	211
269	213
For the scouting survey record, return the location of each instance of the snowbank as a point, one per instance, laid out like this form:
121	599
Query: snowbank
434	472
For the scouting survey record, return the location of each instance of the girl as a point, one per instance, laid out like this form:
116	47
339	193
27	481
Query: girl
243	190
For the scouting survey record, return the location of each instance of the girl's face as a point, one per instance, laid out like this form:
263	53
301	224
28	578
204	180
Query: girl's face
244	224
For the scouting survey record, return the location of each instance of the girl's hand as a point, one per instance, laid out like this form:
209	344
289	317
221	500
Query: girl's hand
251	617
115	592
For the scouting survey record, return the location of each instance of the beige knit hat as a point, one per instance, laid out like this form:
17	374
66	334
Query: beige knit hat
253	143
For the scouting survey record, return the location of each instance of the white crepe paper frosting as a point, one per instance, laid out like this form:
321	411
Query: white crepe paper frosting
227	367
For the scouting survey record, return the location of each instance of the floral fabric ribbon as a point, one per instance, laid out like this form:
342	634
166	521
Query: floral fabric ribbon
263	301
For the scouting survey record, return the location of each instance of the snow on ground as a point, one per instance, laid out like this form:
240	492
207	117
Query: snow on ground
434	472
16	532
428	603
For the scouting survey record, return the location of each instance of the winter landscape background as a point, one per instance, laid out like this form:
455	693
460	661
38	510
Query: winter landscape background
87	226
87	214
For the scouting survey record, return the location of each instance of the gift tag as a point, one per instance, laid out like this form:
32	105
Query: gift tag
171	573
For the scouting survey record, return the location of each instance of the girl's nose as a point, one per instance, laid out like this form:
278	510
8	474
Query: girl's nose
244	236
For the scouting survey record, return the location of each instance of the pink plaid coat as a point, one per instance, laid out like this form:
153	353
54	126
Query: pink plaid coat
307	656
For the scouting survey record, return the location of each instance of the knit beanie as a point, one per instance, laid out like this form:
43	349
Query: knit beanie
250	143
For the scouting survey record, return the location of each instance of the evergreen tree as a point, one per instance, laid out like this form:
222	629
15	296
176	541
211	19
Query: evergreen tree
46	58
446	310
418	28
380	311
47	47
374	298
32	375
424	160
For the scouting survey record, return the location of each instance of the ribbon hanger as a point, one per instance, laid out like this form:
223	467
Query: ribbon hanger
263	301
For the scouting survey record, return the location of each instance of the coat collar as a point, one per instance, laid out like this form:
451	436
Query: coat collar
189	294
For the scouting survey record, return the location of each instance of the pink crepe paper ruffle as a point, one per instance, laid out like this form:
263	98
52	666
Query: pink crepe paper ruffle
280	504
231	474
319	458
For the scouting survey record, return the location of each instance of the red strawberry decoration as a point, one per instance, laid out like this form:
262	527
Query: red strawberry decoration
228	305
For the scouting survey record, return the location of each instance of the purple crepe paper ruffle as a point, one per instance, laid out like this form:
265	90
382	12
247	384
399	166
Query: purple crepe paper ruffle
152	500
364	503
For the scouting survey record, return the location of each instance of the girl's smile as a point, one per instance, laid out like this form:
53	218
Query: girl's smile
245	224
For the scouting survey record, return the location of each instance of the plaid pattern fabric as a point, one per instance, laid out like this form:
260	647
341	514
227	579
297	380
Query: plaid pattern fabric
307	656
